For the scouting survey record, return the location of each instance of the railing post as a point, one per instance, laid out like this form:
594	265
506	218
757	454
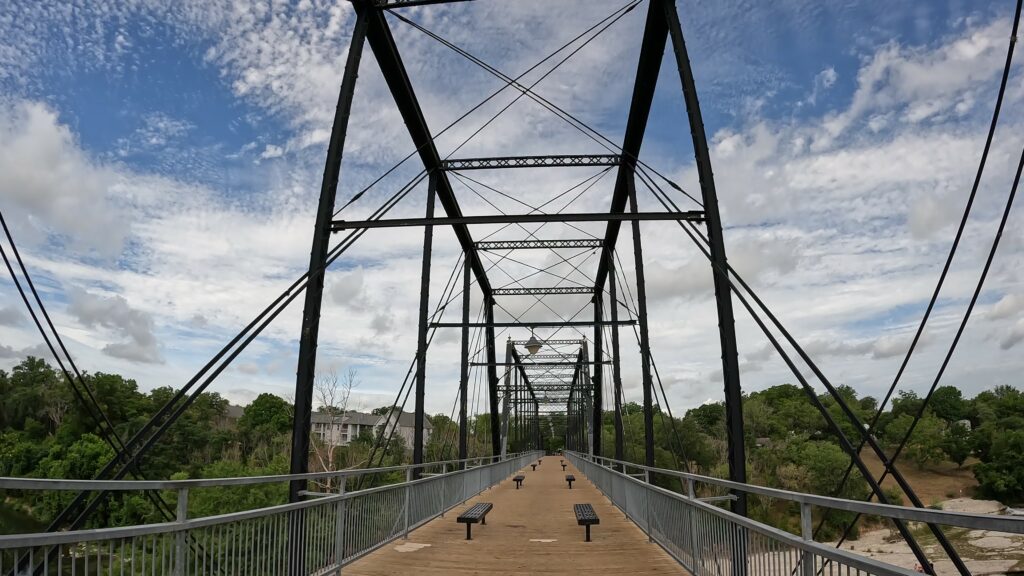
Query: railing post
691	511
647	504
180	549
807	532
444	489
408	495
339	526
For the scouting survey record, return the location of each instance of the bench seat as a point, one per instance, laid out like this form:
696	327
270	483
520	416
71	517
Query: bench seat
477	513
585	516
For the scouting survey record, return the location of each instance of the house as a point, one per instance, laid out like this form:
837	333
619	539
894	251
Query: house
406	426
229	419
339	430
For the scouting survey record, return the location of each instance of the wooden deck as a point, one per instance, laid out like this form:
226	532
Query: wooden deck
530	531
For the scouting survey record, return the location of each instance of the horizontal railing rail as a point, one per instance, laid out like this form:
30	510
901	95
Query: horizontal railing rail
315	536
61	484
710	541
998	523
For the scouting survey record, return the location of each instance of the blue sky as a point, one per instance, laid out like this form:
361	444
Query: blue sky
162	163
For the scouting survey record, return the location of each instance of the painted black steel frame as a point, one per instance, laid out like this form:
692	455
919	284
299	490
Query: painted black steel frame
585	401
539	244
561	160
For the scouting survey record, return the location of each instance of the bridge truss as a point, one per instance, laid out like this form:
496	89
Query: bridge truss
580	389
568	379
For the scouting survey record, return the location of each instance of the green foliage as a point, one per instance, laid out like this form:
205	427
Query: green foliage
1002	476
263	420
957	443
926	443
947	402
226	499
45	432
906	402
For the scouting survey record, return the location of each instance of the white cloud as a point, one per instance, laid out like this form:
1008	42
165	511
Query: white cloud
134	328
841	230
51	187
1009	306
823	81
271	151
925	81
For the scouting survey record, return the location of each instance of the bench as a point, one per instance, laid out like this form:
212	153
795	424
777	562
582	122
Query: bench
534	467
563	466
475	513
539	460
585	516
570	479
518	479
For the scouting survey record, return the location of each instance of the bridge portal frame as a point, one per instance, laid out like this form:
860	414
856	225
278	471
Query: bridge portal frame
662	23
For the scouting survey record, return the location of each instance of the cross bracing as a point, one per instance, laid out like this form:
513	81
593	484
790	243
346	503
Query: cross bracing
562	160
543	291
538	244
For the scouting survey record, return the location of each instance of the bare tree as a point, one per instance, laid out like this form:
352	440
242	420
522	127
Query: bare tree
333	394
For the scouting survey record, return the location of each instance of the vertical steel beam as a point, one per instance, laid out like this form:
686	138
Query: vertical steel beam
620	445
536	425
723	291
645	341
506	406
492	375
464	376
587	429
597	420
306	370
421	345
572	422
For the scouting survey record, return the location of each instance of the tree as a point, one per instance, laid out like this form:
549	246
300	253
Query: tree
925	445
709	418
948	403
1002	477
264	419
25	399
333	394
907	403
957	443
443	443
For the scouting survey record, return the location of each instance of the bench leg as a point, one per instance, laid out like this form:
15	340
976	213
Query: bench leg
469	531
484	520
588	533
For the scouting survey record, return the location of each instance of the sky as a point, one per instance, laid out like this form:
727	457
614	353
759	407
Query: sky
162	162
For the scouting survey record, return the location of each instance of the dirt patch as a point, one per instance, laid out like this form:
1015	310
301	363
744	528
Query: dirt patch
933	484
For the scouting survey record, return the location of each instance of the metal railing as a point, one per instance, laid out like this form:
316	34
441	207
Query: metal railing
708	540
316	536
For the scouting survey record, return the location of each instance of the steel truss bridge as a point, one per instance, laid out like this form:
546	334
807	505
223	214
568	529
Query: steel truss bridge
332	523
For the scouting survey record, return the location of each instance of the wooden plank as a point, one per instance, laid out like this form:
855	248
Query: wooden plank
528	532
